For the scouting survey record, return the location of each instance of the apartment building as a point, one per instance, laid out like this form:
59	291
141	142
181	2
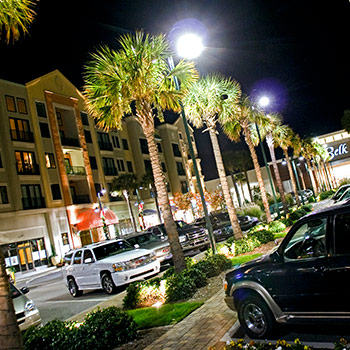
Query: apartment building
54	163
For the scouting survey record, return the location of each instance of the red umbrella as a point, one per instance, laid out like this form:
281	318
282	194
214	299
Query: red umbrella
91	218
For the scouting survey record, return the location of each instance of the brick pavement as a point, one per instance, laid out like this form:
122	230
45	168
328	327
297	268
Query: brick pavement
203	328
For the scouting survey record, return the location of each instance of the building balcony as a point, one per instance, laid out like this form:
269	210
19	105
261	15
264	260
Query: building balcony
33	203
66	141
105	146
109	171
75	170
28	169
81	199
23	136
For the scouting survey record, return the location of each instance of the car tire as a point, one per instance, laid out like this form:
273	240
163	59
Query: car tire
255	317
74	289
107	284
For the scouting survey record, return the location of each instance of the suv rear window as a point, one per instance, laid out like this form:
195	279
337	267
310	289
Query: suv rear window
68	258
111	249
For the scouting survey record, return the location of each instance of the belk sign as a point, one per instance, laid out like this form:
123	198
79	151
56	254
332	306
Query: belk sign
335	152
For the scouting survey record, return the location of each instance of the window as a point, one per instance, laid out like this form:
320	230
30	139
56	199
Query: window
129	166
50	161
88	255
341	236
40	109
184	188
109	166
159	146
4	199
125	144
44	130
163	167
87	134
31	197
308	241
1	165
59	119
180	168
56	192
120	165
148	165
65	241
77	257
98	187
176	150
25	163
84	118
22	106
20	131
10	103
93	162
116	143
180	135
103	142
144	146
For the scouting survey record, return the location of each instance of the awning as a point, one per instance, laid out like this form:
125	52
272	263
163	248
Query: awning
91	218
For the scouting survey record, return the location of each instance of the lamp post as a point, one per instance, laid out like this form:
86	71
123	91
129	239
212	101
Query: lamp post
263	102
190	46
102	215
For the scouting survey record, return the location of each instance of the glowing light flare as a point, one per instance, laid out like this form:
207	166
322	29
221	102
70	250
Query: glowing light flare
264	101
189	46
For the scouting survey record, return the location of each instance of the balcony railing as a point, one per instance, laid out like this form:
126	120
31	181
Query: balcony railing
28	169
66	141
81	199
75	170
33	203
109	171
105	146
24	136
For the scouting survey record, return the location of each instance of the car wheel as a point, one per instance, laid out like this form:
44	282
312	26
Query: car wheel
73	288
108	284
255	317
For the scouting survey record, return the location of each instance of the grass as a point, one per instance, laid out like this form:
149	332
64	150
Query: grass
280	235
238	260
165	315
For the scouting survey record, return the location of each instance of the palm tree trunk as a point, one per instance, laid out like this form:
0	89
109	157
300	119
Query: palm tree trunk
132	218
162	192
224	185
242	189
291	175
157	204
236	190
311	174
301	175
257	169
270	144
248	184
10	336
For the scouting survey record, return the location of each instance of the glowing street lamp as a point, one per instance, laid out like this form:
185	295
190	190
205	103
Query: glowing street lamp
190	46
264	101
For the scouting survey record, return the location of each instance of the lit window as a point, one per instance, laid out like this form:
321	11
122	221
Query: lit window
50	161
10	103
22	106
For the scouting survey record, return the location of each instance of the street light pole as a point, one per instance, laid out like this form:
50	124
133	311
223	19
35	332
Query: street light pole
102	216
194	161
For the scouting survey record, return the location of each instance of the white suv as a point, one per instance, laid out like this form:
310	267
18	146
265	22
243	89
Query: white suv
106	265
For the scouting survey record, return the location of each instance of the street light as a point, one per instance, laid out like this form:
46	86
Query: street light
190	47
264	101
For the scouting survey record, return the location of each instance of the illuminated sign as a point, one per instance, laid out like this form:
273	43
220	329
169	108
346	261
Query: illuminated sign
335	152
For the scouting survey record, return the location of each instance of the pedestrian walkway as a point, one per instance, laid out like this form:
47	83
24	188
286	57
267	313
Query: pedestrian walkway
203	328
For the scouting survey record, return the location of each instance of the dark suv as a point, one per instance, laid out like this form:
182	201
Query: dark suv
191	237
303	280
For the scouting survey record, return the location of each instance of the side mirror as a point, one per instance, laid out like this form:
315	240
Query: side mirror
88	261
136	246
24	290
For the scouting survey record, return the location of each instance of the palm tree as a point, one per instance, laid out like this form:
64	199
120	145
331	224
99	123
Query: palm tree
243	119
284	139
126	184
15	18
308	152
270	130
210	100
137	79
147	180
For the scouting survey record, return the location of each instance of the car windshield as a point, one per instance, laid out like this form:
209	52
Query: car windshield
111	249
222	217
15	293
144	239
340	191
181	224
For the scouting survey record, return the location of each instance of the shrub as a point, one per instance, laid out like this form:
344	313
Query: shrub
220	261
311	199
131	298
344	181
179	287
289	199
277	226
245	245
326	194
198	277
307	208
106	328
287	222
251	210
208	268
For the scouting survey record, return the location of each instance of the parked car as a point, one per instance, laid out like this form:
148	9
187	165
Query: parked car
306	193
301	281
340	191
343	197
222	228
191	237
148	240
106	265
26	312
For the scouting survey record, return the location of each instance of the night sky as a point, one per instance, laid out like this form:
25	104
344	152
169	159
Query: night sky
296	52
